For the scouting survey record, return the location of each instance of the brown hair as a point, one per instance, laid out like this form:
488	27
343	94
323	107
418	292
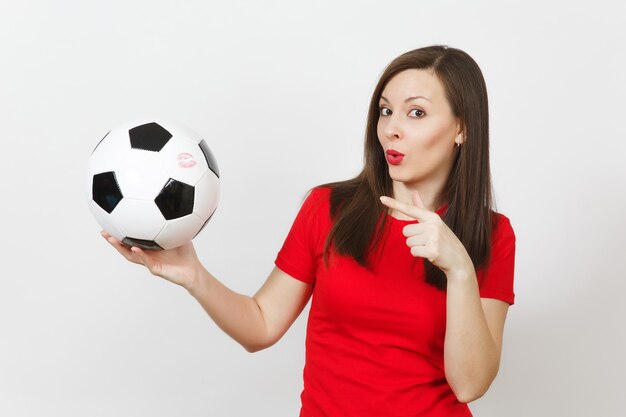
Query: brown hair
356	210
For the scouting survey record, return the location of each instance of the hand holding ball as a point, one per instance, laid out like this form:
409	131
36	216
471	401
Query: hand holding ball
153	184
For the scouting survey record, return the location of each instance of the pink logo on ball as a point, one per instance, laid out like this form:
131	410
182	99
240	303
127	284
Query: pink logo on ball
185	160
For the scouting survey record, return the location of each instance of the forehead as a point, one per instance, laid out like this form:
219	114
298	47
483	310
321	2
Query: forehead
414	82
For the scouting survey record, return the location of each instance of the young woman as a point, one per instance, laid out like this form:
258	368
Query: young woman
409	269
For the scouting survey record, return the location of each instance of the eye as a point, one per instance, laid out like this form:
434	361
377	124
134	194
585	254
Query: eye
384	111
417	113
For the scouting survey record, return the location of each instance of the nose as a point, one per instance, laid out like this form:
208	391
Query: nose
392	129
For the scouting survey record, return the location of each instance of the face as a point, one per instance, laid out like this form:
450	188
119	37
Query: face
417	129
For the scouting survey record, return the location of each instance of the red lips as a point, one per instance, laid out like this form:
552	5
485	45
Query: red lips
393	152
394	157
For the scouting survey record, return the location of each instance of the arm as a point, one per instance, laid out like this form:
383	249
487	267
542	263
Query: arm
473	344
474	326
254	322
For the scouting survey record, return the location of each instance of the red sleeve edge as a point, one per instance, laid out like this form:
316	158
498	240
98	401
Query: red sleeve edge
500	295
292	271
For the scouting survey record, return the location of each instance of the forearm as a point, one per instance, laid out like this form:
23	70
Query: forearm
471	356
237	315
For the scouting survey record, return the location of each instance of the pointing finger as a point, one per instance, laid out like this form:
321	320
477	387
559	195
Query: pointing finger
414	212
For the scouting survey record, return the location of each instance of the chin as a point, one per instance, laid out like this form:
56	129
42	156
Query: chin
397	176
404	179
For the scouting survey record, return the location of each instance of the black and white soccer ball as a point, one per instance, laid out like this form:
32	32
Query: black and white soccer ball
153	184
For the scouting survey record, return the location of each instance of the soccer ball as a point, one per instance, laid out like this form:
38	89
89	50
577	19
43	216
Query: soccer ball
153	184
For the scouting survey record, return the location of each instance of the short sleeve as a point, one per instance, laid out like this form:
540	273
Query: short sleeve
303	246
497	280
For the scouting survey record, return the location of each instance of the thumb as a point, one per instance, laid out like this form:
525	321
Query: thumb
153	265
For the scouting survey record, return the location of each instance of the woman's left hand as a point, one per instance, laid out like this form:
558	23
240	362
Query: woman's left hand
431	238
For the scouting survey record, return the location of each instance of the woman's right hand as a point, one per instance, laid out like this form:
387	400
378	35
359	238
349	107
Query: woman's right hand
178	265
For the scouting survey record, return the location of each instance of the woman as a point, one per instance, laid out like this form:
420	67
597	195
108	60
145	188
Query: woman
409	269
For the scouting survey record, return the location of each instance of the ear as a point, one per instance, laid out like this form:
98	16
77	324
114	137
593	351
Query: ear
460	132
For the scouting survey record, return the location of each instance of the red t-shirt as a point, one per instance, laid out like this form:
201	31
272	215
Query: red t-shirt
374	338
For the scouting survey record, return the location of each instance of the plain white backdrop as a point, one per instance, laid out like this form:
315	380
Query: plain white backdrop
280	90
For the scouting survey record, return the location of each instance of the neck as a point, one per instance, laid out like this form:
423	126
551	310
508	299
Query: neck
429	193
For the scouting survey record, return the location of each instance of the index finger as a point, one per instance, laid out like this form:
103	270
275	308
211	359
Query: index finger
407	209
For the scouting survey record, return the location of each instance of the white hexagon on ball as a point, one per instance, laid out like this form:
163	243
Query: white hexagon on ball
141	174
207	196
144	227
171	235
184	160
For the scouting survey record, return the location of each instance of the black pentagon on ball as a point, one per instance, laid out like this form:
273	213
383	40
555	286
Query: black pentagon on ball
175	199
105	191
149	137
143	244
210	159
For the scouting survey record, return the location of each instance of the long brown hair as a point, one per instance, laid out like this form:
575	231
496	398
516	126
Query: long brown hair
358	223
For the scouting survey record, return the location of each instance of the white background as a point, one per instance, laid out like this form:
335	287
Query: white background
280	91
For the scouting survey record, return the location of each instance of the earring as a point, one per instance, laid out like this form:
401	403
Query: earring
458	144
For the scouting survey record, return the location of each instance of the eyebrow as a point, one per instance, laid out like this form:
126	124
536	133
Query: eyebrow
408	99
